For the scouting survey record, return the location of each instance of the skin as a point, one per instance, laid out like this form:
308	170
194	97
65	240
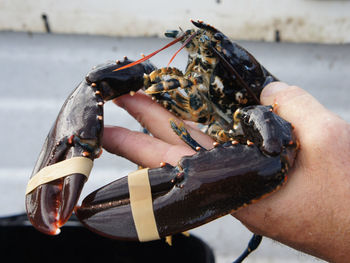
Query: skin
310	212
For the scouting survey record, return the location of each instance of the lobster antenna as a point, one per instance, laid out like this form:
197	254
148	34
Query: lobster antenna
152	54
183	45
235	73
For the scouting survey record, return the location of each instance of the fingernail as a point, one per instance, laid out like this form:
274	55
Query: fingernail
272	89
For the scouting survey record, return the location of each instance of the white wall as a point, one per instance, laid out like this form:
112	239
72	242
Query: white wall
324	21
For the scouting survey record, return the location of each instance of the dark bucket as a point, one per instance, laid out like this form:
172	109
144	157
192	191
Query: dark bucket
19	240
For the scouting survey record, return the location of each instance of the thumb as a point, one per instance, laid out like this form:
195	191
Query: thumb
293	104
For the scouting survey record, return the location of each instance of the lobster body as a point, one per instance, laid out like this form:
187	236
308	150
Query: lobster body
219	89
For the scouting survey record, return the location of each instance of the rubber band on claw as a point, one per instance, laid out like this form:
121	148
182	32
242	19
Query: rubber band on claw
80	165
142	206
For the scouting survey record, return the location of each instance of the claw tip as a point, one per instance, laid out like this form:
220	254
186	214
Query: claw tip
58	230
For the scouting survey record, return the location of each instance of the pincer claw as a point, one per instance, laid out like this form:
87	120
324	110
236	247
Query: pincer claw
44	181
199	189
74	142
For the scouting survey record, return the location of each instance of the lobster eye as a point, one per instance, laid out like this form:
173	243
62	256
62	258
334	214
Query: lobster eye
171	33
218	36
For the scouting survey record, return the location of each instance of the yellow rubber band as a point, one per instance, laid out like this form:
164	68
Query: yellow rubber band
75	165
142	206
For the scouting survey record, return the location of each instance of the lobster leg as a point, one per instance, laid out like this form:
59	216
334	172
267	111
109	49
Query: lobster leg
184	135
253	244
201	187
77	132
168	79
179	94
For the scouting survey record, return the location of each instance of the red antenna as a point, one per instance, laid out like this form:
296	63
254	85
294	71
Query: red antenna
152	54
183	45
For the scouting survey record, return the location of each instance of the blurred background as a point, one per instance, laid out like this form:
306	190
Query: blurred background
47	47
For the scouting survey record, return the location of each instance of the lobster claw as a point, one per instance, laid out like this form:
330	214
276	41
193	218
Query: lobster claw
73	143
210	184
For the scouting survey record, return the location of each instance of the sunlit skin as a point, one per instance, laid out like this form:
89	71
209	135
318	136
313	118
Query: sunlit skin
310	212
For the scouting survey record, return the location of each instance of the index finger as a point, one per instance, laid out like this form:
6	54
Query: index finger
155	119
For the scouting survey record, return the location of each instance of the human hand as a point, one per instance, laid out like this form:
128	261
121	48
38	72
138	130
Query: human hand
310	212
145	150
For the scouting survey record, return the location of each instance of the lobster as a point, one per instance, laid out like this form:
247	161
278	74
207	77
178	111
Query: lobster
220	88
